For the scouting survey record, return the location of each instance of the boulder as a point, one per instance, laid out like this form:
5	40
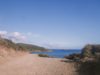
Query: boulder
90	51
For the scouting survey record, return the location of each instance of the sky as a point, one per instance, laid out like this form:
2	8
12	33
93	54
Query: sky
51	23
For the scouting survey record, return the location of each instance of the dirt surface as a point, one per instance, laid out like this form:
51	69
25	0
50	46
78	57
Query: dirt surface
31	64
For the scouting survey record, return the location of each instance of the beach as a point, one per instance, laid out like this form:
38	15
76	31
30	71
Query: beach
32	64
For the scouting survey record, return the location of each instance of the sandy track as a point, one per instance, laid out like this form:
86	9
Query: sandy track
33	65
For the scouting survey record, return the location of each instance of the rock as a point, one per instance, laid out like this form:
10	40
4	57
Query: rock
90	51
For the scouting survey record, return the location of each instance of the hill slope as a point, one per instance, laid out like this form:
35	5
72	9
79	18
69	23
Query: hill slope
10	50
9	44
31	48
6	43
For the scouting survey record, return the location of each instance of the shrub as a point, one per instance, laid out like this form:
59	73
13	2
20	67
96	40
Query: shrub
73	56
43	55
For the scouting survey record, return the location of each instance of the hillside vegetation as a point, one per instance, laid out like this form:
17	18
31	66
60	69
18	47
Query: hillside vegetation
5	43
31	48
10	50
20	46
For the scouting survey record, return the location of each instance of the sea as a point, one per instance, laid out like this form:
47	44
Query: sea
59	53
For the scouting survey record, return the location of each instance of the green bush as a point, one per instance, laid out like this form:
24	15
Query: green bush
43	55
74	57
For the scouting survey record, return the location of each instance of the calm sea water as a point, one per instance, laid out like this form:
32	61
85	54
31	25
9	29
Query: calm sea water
58	53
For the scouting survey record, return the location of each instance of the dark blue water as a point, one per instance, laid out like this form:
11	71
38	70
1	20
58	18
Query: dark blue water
58	53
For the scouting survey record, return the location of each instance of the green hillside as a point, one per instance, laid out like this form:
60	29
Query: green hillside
6	43
9	44
31	48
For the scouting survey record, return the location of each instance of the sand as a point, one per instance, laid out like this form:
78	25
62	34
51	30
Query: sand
31	64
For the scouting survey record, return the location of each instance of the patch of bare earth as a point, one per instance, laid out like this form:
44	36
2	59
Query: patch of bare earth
30	64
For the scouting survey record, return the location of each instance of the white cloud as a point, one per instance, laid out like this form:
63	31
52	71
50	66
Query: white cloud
37	39
3	33
17	36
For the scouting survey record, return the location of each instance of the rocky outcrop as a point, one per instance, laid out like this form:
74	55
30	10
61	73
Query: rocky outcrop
91	51
90	61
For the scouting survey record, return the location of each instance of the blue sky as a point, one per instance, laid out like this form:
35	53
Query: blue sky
51	23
